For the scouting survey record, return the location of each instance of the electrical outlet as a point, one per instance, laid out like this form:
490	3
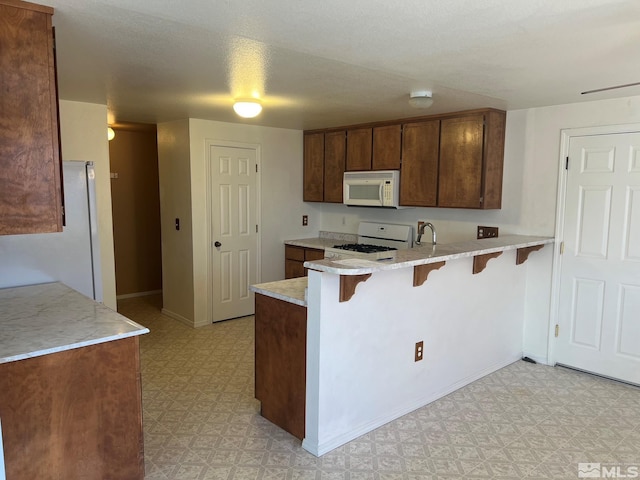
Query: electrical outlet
419	351
487	232
305	220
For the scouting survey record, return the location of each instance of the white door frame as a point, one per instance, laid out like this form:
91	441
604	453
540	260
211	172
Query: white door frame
208	143
566	135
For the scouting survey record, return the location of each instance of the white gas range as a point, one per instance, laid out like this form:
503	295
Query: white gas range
376	241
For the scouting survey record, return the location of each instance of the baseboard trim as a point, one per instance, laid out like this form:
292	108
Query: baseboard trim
138	294
178	317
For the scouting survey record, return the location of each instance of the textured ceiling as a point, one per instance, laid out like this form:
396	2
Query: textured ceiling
319	64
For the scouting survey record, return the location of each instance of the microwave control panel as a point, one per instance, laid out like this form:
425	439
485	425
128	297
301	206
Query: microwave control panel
387	193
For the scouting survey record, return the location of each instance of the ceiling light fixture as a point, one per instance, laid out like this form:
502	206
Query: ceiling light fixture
421	99
111	134
247	108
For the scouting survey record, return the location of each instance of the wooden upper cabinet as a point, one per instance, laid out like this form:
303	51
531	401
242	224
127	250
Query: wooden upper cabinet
30	166
387	145
313	186
359	149
334	165
449	160
471	159
419	173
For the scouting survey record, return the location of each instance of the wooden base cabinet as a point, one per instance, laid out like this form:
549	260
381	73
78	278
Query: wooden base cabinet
74	414
281	362
294	258
30	167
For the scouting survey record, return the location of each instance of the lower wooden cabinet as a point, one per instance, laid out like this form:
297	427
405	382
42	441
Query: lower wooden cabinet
294	258
74	414
281	362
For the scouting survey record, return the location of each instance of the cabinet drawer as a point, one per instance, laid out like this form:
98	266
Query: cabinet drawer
313	254
294	253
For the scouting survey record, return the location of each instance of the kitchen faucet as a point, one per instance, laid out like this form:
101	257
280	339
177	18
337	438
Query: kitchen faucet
421	226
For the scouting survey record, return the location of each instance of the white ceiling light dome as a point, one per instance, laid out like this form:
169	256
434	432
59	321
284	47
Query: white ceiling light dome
421	99
247	108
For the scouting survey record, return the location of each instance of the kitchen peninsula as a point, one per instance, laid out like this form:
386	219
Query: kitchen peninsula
70	398
464	301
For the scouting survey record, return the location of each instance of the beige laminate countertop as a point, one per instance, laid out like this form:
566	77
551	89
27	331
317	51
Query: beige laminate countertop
292	290
426	254
324	240
48	318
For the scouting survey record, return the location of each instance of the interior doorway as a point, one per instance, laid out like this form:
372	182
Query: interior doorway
135	197
234	228
598	279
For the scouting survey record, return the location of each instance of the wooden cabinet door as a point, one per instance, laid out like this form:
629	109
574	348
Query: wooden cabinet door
359	149
313	254
387	143
461	150
293	261
30	169
313	184
293	269
334	164
281	362
494	130
74	414
419	173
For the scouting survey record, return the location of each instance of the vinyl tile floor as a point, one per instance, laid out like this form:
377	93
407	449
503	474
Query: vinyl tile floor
201	419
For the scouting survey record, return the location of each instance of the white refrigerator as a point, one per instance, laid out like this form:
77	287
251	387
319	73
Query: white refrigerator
71	256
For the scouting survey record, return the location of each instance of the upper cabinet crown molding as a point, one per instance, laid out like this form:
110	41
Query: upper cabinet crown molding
30	162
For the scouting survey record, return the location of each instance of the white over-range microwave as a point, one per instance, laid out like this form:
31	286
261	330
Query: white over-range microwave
375	188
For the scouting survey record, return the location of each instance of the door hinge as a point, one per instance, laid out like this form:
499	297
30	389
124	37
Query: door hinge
561	248
256	168
557	330
566	164
256	228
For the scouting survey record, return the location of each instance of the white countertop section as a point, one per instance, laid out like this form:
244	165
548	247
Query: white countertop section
48	318
325	240
427	254
291	290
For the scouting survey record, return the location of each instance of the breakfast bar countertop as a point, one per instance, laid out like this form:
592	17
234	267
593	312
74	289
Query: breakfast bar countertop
292	290
41	319
425	254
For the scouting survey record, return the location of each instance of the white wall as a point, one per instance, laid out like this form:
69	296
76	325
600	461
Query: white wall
542	163
183	193
83	129
361	371
529	197
175	202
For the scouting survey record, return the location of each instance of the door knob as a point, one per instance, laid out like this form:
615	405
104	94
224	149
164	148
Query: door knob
217	244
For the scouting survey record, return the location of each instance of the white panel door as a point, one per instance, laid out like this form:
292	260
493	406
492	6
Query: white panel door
234	237
599	304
